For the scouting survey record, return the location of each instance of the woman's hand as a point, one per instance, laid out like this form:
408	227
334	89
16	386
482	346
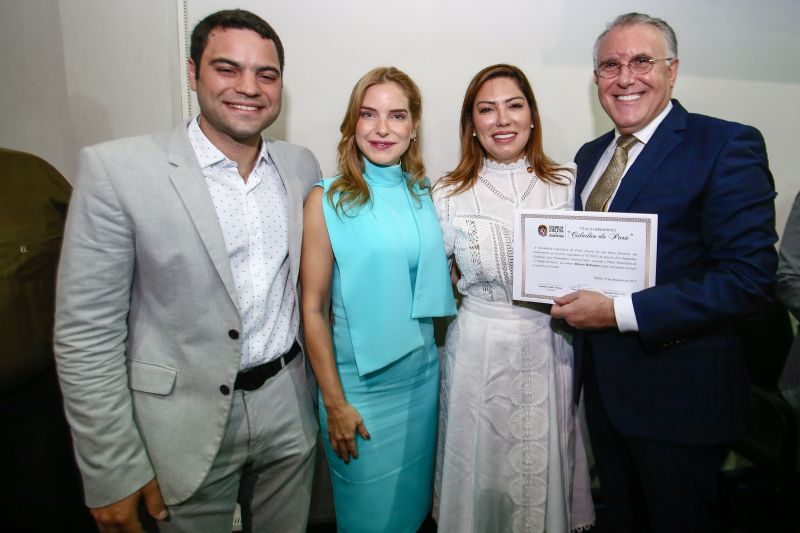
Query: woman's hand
343	422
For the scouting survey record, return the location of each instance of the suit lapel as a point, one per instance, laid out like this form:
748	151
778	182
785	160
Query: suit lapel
645	168
586	165
187	176
287	173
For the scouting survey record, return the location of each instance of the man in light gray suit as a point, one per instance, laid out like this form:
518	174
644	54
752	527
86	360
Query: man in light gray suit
177	308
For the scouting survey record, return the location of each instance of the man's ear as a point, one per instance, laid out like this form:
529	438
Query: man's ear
673	71
192	71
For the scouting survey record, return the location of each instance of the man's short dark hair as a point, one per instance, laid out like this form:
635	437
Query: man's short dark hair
231	18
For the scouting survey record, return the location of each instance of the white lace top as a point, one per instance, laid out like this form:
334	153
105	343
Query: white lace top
477	224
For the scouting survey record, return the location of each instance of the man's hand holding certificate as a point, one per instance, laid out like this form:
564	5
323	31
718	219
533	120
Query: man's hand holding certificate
559	252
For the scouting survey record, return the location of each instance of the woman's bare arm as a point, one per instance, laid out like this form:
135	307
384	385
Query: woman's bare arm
316	273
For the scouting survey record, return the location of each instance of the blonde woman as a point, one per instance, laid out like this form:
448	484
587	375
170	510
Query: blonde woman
373	253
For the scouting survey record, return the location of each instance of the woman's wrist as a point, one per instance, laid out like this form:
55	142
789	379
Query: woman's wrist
334	404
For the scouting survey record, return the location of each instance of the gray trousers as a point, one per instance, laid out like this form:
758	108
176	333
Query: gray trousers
265	463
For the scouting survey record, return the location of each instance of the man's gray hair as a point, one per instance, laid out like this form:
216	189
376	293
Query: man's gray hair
632	19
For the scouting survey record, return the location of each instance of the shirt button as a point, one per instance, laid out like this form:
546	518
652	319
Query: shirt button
225	390
233	334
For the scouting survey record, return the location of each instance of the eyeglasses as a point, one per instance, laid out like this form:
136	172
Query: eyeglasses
638	65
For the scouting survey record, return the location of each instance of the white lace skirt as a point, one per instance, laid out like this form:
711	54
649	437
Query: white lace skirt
510	454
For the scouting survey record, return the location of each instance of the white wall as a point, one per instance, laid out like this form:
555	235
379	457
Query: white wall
34	106
121	68
77	72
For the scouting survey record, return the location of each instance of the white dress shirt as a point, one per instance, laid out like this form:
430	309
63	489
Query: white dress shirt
623	305
254	218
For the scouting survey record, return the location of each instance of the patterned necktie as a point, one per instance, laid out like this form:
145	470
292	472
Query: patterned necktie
605	186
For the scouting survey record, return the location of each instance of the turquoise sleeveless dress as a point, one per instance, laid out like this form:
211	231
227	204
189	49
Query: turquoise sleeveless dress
390	277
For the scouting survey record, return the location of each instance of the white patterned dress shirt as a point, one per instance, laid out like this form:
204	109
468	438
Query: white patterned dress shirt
254	218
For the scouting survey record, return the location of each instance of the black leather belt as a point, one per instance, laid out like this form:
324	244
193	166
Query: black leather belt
253	378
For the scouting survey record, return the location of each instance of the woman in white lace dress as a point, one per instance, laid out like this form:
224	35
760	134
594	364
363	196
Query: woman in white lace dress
510	456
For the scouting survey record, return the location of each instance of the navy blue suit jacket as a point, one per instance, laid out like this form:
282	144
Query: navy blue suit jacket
682	377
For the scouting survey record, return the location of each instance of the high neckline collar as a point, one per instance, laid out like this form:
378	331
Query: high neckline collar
382	175
516	165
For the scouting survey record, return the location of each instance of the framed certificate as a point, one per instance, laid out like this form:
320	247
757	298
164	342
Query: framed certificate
558	252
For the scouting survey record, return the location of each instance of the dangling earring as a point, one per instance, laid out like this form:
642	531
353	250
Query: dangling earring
532	126
474	134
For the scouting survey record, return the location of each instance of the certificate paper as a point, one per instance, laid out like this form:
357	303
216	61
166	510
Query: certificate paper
558	252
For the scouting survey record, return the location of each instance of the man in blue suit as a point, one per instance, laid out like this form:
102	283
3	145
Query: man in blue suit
664	378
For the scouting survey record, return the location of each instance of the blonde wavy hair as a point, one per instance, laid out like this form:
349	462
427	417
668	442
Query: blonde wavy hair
351	185
465	175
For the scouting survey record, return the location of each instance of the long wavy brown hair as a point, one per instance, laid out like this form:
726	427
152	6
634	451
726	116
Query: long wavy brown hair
351	186
465	175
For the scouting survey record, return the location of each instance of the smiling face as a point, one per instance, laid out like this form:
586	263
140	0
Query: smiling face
634	100
502	119
385	126
238	87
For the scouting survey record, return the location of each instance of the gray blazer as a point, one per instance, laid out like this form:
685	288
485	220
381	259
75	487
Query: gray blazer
144	306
